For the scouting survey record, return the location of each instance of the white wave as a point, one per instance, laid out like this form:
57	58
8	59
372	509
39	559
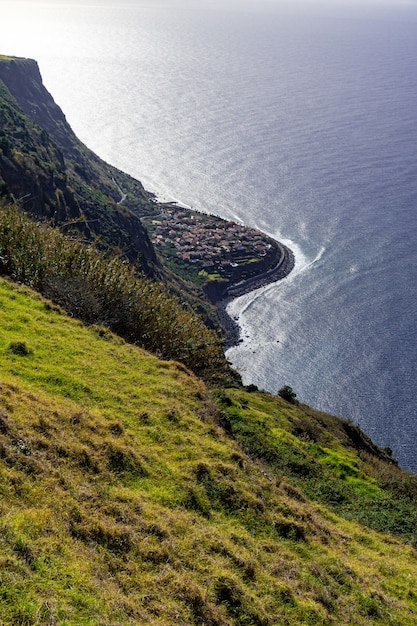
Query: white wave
164	198
237	218
303	264
302	260
239	307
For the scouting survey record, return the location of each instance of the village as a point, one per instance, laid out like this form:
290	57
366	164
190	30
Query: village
214	247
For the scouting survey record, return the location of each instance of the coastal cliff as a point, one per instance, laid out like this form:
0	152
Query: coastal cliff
52	175
23	79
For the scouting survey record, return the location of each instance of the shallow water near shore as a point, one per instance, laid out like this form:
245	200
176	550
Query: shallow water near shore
304	126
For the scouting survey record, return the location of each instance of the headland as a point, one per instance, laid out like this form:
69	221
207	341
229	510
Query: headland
224	258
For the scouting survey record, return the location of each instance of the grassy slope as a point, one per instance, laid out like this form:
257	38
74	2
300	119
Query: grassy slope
330	459
124	502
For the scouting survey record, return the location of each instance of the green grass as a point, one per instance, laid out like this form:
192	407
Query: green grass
329	459
124	500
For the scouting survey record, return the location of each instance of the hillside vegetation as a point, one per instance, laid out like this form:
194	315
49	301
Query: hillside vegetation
129	497
106	290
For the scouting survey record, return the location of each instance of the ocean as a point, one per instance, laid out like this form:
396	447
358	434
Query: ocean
301	123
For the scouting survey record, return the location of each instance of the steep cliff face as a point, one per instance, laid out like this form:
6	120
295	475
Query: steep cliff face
52	174
23	79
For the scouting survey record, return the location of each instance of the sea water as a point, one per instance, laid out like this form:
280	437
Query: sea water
301	124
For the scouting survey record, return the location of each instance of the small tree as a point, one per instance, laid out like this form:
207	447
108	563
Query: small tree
288	394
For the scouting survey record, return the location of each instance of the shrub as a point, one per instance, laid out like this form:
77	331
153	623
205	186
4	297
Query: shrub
20	348
288	394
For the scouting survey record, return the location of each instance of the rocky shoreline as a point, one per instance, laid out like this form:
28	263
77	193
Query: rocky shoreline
230	327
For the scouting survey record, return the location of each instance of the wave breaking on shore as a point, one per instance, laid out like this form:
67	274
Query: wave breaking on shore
229	324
